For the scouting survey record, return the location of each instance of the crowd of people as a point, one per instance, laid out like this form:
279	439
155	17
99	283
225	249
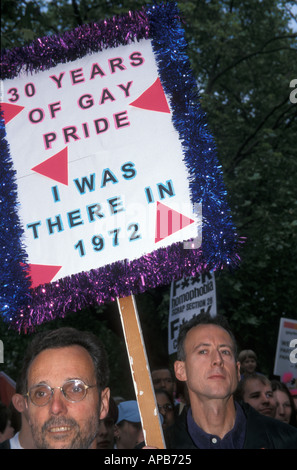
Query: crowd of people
214	399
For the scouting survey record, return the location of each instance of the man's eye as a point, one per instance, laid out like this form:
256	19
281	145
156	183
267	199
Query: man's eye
226	352
76	389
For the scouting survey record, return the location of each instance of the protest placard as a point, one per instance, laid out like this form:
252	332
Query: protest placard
190	297
286	350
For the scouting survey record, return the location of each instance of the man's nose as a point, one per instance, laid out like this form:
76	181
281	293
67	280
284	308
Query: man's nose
217	358
58	403
281	409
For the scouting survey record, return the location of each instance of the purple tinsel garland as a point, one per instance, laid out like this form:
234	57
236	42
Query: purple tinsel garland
219	248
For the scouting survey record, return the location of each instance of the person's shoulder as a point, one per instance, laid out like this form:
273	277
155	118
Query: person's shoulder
177	435
280	434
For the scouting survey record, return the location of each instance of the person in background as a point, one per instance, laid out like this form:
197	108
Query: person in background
163	380
105	436
128	428
207	362
285	406
291	383
182	397
6	430
23	438
166	407
255	389
248	362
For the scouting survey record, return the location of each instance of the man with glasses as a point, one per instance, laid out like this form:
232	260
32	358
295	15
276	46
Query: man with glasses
64	376
166	407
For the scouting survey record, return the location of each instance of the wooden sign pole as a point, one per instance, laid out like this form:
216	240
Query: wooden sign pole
151	425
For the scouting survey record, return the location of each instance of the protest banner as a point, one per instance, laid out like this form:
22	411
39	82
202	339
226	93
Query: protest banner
110	180
190	297
286	353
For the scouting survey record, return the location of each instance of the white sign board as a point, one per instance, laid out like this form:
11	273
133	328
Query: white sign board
90	180
188	297
286	352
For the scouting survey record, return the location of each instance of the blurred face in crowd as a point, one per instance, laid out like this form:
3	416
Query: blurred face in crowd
105	436
249	365
283	406
260	396
162	379
128	434
61	424
210	368
166	409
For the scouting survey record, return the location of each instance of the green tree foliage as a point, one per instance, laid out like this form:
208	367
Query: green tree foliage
243	54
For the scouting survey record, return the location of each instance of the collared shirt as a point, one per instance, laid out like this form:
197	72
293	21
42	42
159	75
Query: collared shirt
234	439
15	442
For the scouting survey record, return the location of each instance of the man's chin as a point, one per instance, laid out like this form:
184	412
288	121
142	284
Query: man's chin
59	441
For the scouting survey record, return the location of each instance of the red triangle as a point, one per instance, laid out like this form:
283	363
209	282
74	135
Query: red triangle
55	167
169	221
10	111
42	273
153	99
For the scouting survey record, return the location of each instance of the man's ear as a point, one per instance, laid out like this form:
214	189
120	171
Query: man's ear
180	371
19	402
105	394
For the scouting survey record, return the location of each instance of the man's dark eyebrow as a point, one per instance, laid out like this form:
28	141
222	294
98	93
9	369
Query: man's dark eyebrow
256	392
223	345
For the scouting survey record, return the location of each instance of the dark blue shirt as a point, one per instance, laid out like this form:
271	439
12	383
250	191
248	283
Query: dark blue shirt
234	439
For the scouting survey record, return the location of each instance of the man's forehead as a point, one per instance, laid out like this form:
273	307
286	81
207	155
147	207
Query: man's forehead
257	384
209	333
67	362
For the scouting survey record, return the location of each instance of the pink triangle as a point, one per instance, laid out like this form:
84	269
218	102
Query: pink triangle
169	221
10	111
55	167
153	99
42	273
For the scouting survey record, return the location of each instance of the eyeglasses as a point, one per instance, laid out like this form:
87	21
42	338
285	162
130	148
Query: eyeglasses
73	390
166	407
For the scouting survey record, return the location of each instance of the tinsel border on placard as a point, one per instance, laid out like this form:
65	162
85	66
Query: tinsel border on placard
25	308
